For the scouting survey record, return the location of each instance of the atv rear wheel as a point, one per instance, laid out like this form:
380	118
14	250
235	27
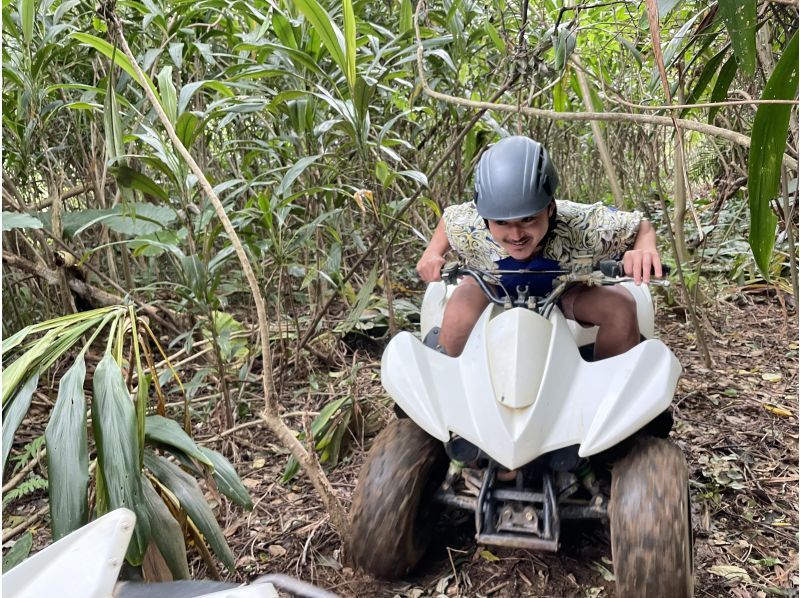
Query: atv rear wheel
651	532
392	514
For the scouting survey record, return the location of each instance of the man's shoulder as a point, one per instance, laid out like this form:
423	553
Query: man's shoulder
464	213
571	209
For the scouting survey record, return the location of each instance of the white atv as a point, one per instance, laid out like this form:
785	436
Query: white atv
526	431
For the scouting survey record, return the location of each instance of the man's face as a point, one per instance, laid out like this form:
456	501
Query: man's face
521	237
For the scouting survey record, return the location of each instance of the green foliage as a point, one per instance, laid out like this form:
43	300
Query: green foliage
12	220
740	20
768	142
119	431
67	455
19	552
29	452
28	486
328	429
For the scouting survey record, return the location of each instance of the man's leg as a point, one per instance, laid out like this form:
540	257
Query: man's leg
613	309
463	309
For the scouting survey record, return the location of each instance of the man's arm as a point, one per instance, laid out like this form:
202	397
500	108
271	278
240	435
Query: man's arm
644	255
429	266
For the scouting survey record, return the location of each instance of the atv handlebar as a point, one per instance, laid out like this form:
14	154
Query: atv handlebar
606	272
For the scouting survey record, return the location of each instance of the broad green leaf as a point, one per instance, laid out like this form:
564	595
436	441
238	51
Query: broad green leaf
169	538
110	52
350	42
674	45
383	172
168	94
415	175
116	437
167	432
564	44
295	171
189	125
67	454
188	91
632	49
191	500
767	144
228	481
284	30
14	220
194	269
141	219
362	95
176	53
665	6
27	14
406	16
112	122
19	552
157	243
704	79
133	179
560	103
495	37
15	339
14	374
740	20
720	91
15	412
362	299
326	28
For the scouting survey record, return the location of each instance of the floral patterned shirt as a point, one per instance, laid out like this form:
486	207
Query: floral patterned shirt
581	229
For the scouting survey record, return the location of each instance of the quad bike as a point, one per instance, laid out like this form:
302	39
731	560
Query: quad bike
526	431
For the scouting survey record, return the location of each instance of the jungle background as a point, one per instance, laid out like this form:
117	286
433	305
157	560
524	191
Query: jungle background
212	210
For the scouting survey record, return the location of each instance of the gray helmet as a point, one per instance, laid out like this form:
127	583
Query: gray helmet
515	179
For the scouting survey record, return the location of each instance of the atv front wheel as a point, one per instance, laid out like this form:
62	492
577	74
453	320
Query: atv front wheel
392	514
651	532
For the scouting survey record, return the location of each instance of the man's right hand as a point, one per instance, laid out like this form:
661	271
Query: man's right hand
429	266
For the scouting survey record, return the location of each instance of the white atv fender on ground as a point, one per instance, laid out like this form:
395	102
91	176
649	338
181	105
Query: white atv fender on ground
87	562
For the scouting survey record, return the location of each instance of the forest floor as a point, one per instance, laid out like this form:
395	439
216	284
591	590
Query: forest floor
736	422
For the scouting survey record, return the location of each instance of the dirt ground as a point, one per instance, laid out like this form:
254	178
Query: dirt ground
736	422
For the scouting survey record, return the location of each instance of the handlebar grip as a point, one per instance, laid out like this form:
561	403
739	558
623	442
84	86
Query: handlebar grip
611	268
614	269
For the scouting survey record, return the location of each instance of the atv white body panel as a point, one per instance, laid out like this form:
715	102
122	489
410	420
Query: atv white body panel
521	389
86	563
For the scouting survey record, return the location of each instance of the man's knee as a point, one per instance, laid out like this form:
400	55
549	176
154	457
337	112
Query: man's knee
606	306
462	312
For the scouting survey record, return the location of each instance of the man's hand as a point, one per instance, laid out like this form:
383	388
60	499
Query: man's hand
644	256
638	264
429	266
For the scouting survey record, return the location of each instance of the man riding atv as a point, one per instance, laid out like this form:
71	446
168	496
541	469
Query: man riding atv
515	222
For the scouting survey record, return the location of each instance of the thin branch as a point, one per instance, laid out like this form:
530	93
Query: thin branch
15	531
619	100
